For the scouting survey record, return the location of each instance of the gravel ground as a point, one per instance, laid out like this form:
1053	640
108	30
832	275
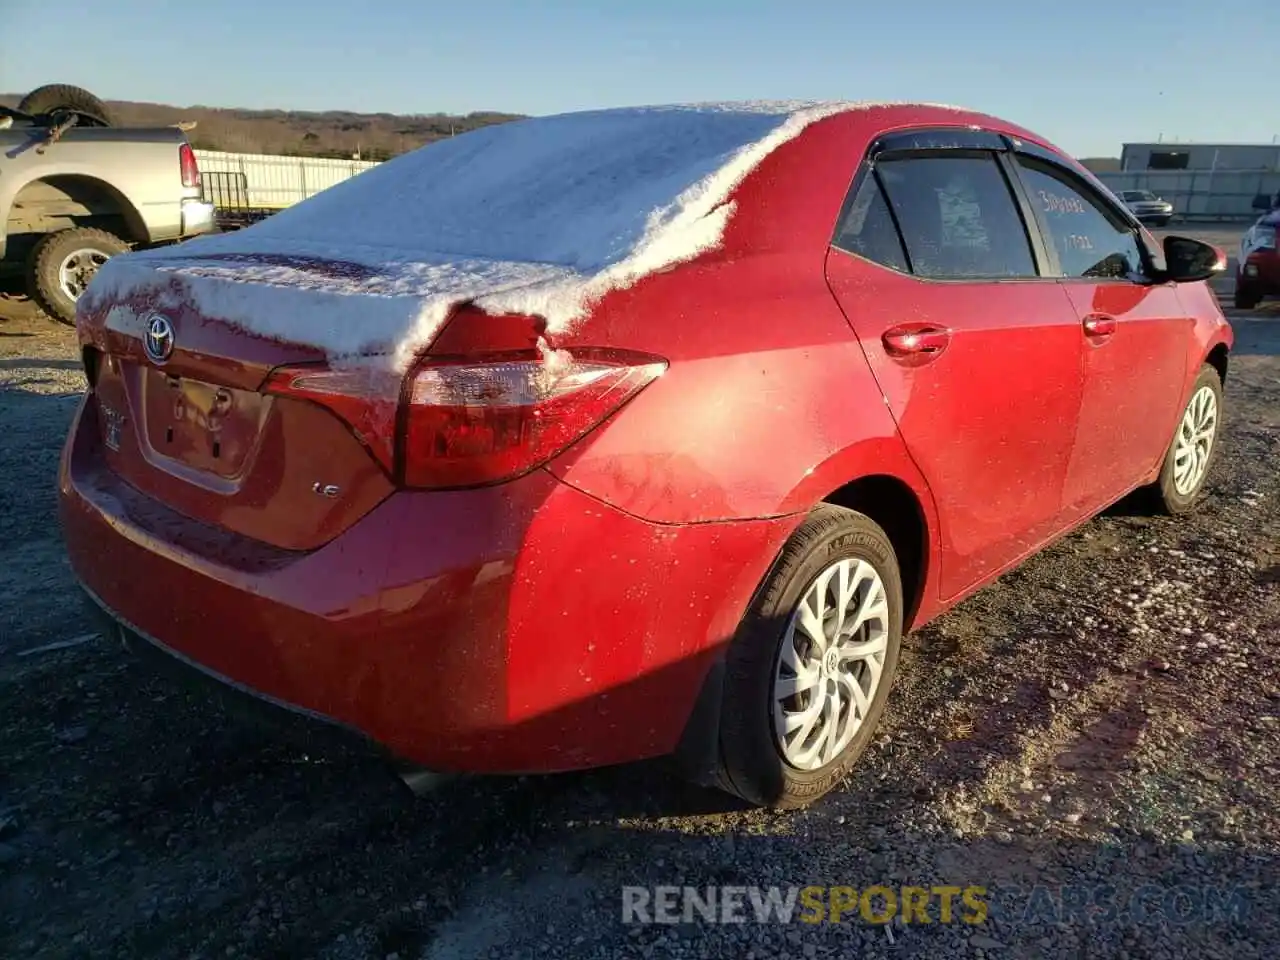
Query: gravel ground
1099	727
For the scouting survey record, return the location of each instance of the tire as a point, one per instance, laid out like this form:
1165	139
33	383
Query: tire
1161	221
754	765
1172	494
1245	299
53	97
44	267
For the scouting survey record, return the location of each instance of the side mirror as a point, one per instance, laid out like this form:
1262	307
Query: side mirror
1187	260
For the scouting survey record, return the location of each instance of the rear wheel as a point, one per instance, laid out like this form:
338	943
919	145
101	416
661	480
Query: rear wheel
1194	446
809	671
62	264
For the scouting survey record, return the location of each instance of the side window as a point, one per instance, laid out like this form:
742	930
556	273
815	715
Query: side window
958	218
868	230
1090	241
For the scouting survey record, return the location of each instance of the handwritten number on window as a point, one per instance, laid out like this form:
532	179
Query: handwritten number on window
1053	203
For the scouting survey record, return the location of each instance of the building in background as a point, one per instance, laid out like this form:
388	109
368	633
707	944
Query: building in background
1203	181
1136	157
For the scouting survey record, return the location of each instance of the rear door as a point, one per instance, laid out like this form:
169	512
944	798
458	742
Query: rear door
977	355
1134	334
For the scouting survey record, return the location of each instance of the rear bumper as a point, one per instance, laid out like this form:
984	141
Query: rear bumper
525	627
286	720
197	217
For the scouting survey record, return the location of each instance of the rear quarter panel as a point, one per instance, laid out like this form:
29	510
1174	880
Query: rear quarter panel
767	392
735	430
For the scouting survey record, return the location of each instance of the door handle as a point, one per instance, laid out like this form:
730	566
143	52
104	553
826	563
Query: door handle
1099	325
916	341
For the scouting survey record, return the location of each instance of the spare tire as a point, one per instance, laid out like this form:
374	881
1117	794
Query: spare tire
63	97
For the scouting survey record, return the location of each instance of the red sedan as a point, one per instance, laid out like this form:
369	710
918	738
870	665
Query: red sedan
591	438
1258	271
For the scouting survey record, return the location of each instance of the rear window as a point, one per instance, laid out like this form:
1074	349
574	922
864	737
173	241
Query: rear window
868	230
958	217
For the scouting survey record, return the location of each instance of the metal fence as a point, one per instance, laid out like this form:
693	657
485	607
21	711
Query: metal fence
1201	194
245	187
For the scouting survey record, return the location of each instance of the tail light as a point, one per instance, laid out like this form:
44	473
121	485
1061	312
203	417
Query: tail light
475	421
187	163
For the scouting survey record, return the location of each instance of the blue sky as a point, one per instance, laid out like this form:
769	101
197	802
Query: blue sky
1088	75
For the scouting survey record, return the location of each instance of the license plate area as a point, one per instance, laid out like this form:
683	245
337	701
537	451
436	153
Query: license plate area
112	424
205	427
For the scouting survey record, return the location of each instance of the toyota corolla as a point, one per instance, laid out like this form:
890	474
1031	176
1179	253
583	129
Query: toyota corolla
591	438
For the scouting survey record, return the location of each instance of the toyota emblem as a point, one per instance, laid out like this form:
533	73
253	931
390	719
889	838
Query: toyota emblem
158	341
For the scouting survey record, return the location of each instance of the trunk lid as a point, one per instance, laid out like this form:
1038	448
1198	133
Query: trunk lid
190	423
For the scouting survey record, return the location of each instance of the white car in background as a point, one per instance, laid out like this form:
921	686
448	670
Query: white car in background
1147	207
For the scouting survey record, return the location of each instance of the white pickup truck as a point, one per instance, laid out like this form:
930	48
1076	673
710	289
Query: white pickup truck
74	191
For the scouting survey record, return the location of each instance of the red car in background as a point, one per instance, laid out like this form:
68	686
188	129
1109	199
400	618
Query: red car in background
925	345
1258	271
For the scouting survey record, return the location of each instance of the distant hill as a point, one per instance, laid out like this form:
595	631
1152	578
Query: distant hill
333	133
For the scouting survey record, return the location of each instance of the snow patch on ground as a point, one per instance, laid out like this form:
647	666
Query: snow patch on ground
539	217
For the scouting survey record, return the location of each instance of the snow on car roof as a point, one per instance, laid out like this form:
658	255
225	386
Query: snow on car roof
540	216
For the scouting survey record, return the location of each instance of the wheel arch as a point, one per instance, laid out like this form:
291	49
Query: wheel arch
897	508
878	477
1219	357
57	201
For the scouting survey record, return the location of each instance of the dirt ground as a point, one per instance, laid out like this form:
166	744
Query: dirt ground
1105	717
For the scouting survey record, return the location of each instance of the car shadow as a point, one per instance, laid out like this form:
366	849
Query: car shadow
488	864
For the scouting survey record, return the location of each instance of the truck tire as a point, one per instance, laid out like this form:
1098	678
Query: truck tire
62	264
63	96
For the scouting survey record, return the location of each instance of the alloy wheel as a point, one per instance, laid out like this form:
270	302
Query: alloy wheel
77	269
830	663
1194	443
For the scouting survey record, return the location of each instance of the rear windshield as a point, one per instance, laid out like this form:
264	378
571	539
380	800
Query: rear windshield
580	190
1138	195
